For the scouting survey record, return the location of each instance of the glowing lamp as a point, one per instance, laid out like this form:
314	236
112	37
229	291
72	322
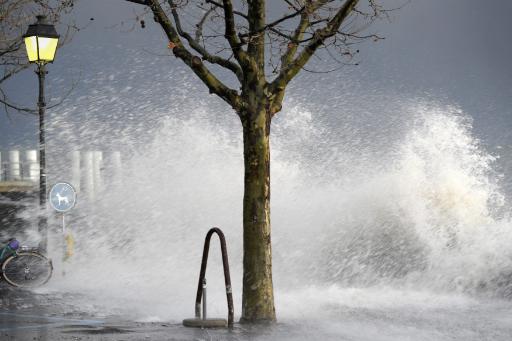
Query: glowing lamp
41	41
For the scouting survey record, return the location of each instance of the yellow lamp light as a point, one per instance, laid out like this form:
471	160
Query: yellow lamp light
41	41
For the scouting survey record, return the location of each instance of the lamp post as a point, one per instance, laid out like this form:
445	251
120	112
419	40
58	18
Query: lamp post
41	42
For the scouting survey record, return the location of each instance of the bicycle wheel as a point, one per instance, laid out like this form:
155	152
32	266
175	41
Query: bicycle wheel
27	269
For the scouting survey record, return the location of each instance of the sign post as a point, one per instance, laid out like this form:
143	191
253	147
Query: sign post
63	199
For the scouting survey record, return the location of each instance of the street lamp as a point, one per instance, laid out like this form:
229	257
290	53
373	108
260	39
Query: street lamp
41	42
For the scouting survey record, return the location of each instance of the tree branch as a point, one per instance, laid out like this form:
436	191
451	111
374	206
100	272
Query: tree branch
275	23
291	5
14	17
298	35
140	2
230	32
291	50
294	41
200	24
8	104
9	49
289	71
12	72
201	50
218	4
213	83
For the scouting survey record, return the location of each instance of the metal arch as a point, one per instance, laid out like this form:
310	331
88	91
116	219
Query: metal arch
227	277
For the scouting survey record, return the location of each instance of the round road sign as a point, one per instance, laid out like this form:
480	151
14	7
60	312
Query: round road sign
62	197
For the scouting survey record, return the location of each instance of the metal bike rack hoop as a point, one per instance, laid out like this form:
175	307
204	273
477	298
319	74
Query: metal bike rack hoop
205	323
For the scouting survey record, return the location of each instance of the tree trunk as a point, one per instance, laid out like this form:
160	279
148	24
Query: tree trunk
258	294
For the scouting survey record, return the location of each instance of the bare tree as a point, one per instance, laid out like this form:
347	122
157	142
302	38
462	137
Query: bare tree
263	51
15	16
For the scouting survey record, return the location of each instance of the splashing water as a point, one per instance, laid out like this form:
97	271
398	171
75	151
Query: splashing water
434	218
429	208
368	223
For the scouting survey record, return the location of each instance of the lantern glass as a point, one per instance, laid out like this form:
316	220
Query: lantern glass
41	49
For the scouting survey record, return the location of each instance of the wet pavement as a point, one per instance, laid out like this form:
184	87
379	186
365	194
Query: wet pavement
23	327
41	327
350	314
29	316
33	316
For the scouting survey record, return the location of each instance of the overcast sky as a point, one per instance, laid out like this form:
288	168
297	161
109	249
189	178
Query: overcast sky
458	51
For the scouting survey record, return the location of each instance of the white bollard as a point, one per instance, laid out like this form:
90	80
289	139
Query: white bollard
115	169
116	163
32	165
97	167
88	174
14	165
75	170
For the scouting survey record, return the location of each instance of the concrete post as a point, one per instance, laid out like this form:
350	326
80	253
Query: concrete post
14	165
32	165
88	174
116	164
115	169
97	167
75	170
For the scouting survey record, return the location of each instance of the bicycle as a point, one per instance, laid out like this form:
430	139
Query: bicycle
26	268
